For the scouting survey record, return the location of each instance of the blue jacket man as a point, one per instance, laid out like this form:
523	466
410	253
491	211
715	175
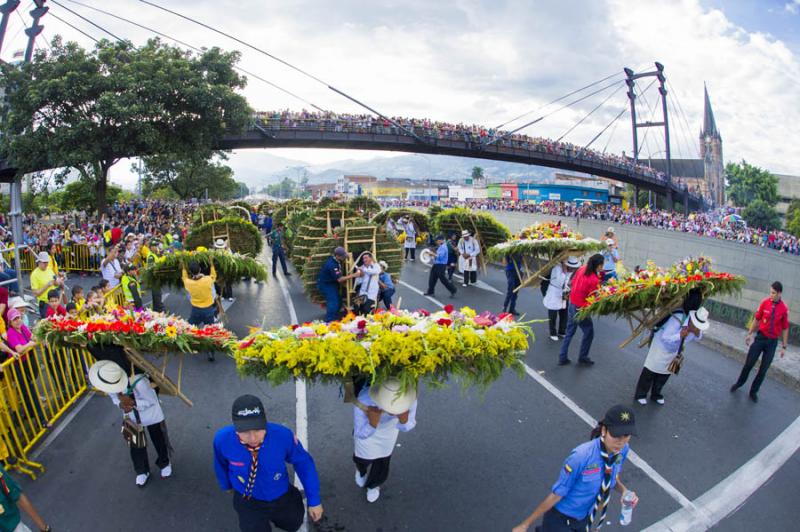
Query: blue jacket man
439	267
250	459
328	281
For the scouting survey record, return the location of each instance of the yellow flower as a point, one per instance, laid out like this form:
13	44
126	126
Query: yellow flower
201	248
171	331
468	312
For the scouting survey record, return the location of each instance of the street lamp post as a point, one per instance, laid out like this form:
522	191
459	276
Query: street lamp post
430	171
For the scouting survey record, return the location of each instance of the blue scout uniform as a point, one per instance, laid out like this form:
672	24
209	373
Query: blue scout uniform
513	269
581	477
328	284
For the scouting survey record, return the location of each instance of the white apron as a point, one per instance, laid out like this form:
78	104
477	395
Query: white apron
471	248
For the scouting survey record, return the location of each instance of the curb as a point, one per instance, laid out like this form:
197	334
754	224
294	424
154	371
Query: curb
740	355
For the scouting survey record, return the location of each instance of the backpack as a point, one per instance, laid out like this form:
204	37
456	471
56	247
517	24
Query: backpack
545	284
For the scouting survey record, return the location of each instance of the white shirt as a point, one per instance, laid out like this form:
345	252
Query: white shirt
554	297
368	283
472	248
110	269
666	343
378	442
147	404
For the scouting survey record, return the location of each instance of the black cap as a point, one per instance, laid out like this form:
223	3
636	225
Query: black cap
619	421
248	414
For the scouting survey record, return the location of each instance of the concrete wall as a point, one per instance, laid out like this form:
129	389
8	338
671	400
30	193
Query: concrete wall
638	244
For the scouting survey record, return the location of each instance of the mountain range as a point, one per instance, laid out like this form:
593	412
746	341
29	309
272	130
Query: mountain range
259	168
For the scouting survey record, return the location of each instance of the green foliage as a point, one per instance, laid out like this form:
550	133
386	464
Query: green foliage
163	194
85	110
244	236
433	210
364	206
189	177
761	215
421	221
289	188
230	267
81	195
477	172
793	218
747	183
489	231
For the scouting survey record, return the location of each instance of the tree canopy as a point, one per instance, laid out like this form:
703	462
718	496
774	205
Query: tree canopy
793	218
85	110
189	177
761	215
747	183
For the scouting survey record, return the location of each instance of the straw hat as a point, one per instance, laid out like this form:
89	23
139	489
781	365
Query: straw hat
219	243
465	233
388	397
573	262
108	377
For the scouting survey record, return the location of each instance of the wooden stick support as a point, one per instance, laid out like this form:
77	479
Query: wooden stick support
534	277
158	376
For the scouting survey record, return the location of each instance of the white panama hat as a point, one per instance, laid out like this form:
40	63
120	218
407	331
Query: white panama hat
388	397
43	257
573	262
219	243
700	318
108	377
465	233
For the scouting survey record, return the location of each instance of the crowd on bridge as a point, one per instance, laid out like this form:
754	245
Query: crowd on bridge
710	224
473	135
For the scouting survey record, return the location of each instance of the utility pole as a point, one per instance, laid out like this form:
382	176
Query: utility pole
658	73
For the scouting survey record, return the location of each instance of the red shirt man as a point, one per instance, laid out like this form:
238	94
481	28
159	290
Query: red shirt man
582	286
772	317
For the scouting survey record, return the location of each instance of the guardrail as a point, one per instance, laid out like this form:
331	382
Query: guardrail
36	388
72	258
116	297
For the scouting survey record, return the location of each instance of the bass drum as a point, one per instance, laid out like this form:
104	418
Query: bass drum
427	256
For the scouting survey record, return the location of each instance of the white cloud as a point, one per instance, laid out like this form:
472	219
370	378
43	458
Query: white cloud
792	7
485	61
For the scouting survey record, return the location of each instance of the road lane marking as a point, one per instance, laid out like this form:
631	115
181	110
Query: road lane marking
301	399
635	459
731	493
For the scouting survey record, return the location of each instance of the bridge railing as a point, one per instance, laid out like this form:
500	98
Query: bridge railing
476	140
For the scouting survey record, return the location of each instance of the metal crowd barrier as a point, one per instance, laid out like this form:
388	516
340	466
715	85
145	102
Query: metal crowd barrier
25	259
116	296
36	389
73	258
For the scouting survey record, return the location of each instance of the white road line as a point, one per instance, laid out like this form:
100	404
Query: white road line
635	459
61	426
227	304
731	493
301	403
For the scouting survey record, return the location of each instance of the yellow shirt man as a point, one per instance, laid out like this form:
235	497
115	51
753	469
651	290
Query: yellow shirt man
40	279
200	290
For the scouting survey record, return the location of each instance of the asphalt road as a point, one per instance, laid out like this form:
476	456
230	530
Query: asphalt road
473	463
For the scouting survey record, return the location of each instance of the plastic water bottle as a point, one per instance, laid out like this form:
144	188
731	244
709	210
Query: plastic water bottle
627	508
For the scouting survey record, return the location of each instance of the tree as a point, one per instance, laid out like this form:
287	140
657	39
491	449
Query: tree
85	110
80	195
793	218
163	194
747	183
189	177
761	215
477	173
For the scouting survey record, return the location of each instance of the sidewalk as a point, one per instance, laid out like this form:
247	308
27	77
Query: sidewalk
729	341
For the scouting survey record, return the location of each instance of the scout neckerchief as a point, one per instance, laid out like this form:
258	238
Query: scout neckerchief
604	495
251	477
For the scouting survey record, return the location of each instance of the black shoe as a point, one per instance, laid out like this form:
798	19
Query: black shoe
211	357
565	362
453	294
287	274
429	294
754	397
586	362
513	312
735	387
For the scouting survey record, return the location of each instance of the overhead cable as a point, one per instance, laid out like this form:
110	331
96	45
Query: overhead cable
590	113
101	28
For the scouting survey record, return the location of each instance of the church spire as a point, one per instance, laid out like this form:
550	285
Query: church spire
709	125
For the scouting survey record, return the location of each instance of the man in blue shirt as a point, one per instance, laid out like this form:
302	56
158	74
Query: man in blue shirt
438	269
328	281
386	285
275	238
250	458
513	270
610	259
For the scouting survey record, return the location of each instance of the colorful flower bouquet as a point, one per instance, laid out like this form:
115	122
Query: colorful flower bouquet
152	332
410	346
655	287
544	239
230	267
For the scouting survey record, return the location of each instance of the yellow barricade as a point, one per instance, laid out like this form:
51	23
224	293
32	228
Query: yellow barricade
77	258
36	389
26	259
116	297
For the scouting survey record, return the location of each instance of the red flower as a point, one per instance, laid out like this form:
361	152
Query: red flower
424	312
444	322
248	343
361	324
448	309
708	275
505	315
295	326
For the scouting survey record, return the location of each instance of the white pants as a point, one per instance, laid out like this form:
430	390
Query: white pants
21	527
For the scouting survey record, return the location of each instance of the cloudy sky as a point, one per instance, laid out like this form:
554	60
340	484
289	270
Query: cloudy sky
488	61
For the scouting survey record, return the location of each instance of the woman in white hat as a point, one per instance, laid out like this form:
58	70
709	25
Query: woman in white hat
410	243
668	343
139	404
557	296
468	250
379	414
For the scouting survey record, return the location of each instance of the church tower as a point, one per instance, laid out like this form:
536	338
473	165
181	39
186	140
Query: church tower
711	153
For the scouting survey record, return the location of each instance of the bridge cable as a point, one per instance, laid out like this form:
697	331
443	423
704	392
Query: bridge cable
611	135
62	6
286	63
195	48
682	115
73	27
505	135
557	100
598	106
624	109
